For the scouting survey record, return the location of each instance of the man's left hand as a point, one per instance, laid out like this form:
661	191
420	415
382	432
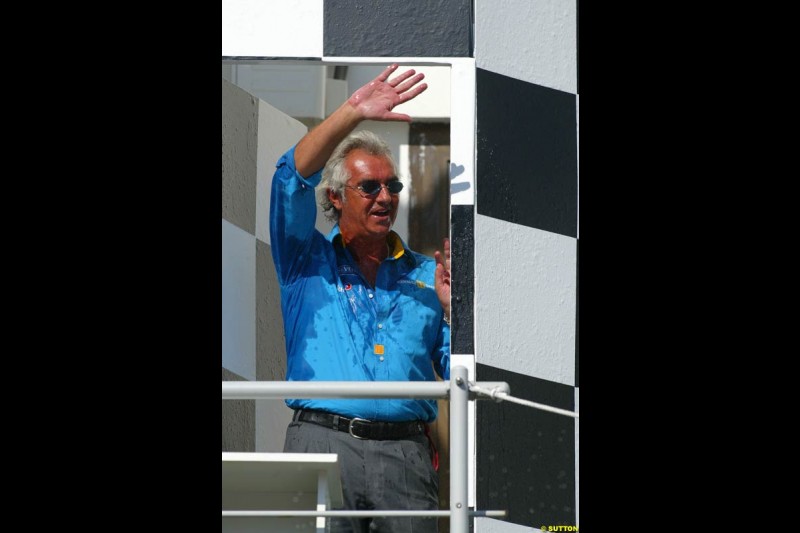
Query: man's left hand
442	277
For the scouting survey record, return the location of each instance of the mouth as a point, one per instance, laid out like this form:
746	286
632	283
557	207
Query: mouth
381	214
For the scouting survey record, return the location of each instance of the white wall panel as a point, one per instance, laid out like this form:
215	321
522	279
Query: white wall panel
530	41
462	132
277	133
238	301
272	28
525	293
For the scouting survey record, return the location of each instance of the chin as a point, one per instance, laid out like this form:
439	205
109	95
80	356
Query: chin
381	229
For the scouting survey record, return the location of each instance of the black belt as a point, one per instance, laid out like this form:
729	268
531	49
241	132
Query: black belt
361	428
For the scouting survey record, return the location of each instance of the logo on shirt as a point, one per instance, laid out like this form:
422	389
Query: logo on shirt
416	282
347	286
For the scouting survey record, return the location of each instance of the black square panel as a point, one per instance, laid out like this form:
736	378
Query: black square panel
397	28
526	456
527	161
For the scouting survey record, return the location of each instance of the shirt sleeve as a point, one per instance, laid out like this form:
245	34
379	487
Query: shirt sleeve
292	216
441	353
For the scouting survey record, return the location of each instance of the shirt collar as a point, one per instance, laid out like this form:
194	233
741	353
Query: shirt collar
397	248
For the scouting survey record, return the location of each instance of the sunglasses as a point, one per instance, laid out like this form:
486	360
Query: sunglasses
373	188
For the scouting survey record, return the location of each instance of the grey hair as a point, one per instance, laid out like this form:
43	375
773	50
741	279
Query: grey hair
335	175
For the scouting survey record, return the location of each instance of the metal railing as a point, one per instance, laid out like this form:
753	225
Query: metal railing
458	391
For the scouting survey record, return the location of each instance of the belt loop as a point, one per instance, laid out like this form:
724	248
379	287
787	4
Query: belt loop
335	423
296	415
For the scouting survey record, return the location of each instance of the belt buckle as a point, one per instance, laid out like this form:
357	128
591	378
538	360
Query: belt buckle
350	428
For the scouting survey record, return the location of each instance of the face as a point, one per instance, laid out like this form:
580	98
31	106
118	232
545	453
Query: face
366	217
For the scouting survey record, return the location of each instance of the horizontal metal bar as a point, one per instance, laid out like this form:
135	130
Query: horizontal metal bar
263	390
279	390
376	512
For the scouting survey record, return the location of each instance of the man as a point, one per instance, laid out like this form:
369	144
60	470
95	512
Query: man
359	305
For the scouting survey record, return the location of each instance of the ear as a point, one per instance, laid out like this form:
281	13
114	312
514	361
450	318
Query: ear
335	199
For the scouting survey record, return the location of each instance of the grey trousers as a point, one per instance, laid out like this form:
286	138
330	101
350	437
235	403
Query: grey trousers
376	474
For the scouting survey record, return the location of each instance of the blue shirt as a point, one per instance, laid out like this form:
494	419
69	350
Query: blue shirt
337	327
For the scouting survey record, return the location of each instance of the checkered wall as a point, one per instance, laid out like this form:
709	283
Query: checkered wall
526	258
254	135
515	245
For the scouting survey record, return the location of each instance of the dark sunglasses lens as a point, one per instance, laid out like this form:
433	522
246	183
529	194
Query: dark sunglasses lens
370	187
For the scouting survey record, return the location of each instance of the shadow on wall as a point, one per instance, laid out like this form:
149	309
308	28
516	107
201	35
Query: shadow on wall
456	171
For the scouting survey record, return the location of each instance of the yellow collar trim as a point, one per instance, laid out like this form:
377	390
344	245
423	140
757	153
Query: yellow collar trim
396	249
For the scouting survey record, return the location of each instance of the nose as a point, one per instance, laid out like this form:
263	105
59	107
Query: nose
384	195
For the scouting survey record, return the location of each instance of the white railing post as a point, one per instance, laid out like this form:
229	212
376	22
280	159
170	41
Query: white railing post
323	498
459	400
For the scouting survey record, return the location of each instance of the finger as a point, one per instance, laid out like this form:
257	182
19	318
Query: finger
404	76
387	72
400	117
408	95
441	262
442	278
440	275
409	83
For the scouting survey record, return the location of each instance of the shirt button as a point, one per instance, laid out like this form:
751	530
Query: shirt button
371	295
380	326
381	358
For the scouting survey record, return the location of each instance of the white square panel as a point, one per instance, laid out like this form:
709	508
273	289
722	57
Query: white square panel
272	28
525	294
238	301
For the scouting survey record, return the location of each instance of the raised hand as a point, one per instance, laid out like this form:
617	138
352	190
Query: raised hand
442	277
377	99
